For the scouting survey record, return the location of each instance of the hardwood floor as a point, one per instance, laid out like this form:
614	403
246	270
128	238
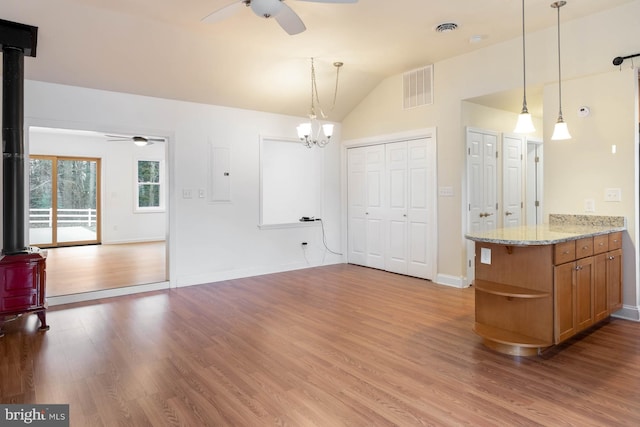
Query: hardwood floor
330	346
79	269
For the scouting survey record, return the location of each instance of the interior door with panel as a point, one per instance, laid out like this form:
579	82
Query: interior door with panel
512	191
482	179
366	206
421	208
396	193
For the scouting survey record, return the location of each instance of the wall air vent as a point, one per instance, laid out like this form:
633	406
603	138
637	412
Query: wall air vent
418	87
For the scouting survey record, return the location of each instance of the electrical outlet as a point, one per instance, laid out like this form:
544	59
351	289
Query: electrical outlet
201	193
612	195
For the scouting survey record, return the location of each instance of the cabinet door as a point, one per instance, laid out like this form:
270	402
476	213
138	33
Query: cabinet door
600	297
564	301
614	279
584	281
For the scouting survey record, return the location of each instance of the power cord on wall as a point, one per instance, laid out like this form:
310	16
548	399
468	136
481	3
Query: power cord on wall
324	238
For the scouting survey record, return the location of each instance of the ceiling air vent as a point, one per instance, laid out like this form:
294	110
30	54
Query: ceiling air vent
418	87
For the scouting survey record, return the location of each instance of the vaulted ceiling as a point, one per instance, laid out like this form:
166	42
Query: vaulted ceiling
162	48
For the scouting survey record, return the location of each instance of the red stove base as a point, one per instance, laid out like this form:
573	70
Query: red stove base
22	286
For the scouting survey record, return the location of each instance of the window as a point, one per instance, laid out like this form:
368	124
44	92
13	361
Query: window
149	186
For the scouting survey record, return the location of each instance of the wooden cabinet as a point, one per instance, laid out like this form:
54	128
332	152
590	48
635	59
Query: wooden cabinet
531	297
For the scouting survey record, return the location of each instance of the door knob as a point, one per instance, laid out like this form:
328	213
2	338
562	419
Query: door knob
508	213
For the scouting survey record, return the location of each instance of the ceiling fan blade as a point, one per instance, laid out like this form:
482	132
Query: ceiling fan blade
289	20
331	1
224	12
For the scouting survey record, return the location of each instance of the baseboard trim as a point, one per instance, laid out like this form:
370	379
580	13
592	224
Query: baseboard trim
628	312
106	293
454	281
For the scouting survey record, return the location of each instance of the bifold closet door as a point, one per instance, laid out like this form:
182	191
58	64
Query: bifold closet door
407	208
365	206
388	207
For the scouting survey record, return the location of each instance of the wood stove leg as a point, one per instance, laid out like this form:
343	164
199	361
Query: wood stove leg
42	315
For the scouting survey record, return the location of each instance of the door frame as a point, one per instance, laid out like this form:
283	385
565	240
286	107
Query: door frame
170	232
433	190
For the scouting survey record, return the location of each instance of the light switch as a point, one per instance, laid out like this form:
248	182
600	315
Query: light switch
186	193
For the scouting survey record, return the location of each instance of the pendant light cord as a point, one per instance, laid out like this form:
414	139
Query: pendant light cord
524	67
560	118
315	99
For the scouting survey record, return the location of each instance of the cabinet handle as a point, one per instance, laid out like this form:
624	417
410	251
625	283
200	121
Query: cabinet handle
584	248
611	257
366	213
404	215
565	253
600	244
578	267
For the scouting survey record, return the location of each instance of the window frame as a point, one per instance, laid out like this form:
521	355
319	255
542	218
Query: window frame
136	186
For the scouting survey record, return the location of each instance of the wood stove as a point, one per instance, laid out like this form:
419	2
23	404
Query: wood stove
22	268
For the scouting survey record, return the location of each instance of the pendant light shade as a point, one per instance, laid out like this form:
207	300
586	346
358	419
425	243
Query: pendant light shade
525	123
560	131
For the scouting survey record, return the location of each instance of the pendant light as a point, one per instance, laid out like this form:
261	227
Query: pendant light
560	131
525	123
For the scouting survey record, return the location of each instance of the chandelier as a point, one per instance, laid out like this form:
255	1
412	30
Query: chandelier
312	132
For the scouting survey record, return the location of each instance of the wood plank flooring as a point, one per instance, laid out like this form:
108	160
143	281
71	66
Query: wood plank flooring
330	346
78	269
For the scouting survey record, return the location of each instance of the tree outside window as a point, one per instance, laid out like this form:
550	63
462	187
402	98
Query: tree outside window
150	189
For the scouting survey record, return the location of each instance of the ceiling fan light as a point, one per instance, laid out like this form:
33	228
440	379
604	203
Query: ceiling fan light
524	124
266	8
560	131
140	142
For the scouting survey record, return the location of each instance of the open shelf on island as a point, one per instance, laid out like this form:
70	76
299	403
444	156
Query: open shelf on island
508	290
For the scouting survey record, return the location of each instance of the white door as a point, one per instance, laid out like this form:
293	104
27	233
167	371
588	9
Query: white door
357	206
375	207
481	180
534	182
396	192
482	151
512	197
421	176
365	206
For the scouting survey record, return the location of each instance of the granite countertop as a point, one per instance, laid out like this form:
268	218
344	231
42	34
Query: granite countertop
561	228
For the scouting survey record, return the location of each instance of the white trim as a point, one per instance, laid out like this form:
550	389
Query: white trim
106	293
628	312
453	281
288	225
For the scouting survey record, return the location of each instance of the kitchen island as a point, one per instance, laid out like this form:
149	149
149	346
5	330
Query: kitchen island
537	286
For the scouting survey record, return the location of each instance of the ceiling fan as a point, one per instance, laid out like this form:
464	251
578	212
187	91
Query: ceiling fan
286	17
140	141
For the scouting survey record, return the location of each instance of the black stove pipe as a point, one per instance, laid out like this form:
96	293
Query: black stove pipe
16	41
13	186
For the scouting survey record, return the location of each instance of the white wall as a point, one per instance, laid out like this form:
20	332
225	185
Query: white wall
208	241
588	46
120	224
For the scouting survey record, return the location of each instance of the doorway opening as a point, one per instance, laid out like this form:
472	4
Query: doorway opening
85	210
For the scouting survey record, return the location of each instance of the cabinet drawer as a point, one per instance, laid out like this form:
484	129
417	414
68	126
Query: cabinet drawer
615	240
584	247
565	252
600	244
